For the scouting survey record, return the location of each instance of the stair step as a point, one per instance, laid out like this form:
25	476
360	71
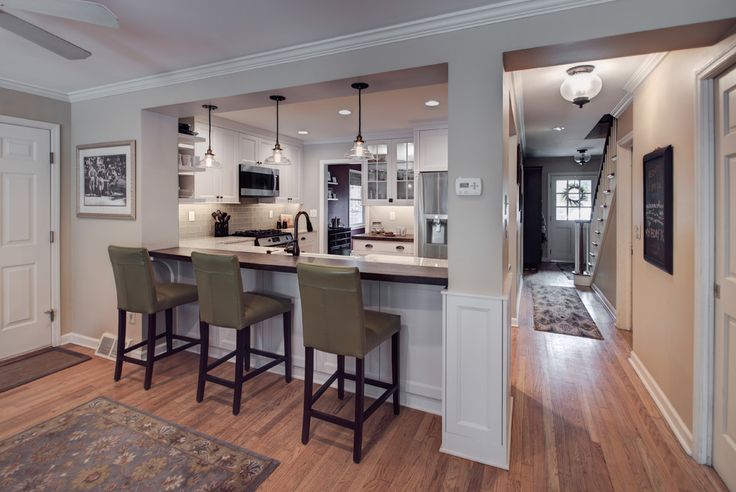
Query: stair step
603	205
597	232
590	265
607	192
592	254
611	176
601	219
595	244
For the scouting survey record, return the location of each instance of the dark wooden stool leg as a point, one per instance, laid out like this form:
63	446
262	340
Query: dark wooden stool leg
395	346
358	431
340	377
287	346
169	330
121	344
204	348
308	381
246	347
240	348
150	350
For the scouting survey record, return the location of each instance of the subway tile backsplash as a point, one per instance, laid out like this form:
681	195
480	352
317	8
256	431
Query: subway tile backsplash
244	216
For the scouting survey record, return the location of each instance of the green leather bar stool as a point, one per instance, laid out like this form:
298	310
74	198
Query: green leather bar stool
138	292
223	303
335	322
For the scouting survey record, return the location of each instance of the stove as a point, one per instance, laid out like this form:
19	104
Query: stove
267	237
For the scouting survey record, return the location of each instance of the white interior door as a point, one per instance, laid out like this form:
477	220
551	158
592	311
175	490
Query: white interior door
562	214
25	249
724	409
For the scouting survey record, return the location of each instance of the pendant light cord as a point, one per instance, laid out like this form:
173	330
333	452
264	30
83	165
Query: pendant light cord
209	129
277	122
360	113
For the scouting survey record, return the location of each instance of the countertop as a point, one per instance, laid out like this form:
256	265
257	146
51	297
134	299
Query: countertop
387	268
380	237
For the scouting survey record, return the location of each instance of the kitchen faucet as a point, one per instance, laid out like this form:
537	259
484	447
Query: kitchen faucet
295	250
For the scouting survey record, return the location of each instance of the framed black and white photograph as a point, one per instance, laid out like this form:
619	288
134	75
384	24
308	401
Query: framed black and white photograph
658	208
106	180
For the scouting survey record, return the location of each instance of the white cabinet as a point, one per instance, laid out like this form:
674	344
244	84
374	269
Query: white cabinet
247	149
220	182
388	178
362	247
431	149
308	242
289	176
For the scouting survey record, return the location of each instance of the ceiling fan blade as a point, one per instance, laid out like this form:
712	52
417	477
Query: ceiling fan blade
41	37
78	10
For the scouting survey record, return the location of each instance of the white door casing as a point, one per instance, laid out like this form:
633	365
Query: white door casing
25	247
724	389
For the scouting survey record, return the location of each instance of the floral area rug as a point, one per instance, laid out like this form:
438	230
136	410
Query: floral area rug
104	445
560	310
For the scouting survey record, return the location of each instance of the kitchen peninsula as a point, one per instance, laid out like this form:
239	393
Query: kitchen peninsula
408	286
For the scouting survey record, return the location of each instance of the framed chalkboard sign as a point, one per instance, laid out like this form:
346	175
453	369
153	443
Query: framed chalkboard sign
658	208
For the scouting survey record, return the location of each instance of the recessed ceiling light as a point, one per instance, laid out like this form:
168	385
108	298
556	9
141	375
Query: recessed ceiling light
431	103
558	128
344	112
303	132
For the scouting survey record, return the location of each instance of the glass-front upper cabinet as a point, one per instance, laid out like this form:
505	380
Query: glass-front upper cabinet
377	174
389	176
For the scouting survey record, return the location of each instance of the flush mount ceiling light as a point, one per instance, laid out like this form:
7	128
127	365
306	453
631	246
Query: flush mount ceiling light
209	156
278	158
303	132
431	103
582	158
581	85
359	149
558	128
344	112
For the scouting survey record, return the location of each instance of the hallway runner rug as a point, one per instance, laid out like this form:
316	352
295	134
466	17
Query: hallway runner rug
24	369
105	445
567	269
560	310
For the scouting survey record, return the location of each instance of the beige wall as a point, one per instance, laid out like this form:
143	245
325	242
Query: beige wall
32	107
663	309
625	122
475	119
605	276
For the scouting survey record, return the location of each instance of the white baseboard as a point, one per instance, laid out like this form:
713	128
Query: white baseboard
583	280
601	297
673	419
79	339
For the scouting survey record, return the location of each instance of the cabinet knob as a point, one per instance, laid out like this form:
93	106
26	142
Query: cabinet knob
390	200
400	248
368	246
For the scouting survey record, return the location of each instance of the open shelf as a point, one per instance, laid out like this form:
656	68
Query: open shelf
190	139
191	169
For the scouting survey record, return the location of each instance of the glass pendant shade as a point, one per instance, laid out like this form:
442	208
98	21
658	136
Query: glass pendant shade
278	157
581	85
209	158
583	158
359	150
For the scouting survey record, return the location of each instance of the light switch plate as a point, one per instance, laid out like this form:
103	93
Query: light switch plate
313	212
270	214
392	215
192	216
468	186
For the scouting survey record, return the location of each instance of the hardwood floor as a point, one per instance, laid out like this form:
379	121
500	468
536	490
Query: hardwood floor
582	421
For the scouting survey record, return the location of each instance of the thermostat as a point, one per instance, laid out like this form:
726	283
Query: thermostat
468	186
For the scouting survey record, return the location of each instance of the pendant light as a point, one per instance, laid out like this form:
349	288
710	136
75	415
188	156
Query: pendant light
359	149
209	156
278	158
583	158
581	85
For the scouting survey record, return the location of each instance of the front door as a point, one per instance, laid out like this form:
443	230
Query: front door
724	409
566	205
25	249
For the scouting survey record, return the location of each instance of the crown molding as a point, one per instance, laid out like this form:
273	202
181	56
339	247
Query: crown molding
637	78
16	85
455	21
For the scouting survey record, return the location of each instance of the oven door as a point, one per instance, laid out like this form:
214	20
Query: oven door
258	181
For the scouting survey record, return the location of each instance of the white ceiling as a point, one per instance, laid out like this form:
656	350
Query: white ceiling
163	35
544	108
384	112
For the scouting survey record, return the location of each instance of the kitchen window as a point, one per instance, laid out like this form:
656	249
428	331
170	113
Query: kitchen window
356	198
573	199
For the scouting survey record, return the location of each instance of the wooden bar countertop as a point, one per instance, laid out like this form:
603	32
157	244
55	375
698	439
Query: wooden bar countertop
369	270
382	237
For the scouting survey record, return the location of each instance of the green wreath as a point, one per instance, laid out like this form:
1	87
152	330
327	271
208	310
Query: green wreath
575	195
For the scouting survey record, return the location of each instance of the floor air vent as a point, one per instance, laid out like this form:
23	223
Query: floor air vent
108	346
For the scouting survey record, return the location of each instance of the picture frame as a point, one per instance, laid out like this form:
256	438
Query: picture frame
657	208
106	180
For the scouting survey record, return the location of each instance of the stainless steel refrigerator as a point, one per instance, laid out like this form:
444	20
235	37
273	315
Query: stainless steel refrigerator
432	214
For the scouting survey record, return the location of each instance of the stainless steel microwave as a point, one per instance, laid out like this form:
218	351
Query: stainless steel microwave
258	181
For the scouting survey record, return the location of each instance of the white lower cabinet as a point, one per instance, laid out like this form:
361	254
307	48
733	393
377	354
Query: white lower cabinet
362	247
309	242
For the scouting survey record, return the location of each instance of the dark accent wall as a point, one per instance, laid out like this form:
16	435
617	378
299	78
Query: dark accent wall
340	208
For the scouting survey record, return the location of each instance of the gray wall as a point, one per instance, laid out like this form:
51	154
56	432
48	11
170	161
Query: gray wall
605	276
32	107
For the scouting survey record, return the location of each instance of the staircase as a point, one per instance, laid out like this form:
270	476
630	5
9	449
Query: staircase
603	202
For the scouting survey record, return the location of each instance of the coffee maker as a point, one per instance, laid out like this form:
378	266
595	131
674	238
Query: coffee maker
432	214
